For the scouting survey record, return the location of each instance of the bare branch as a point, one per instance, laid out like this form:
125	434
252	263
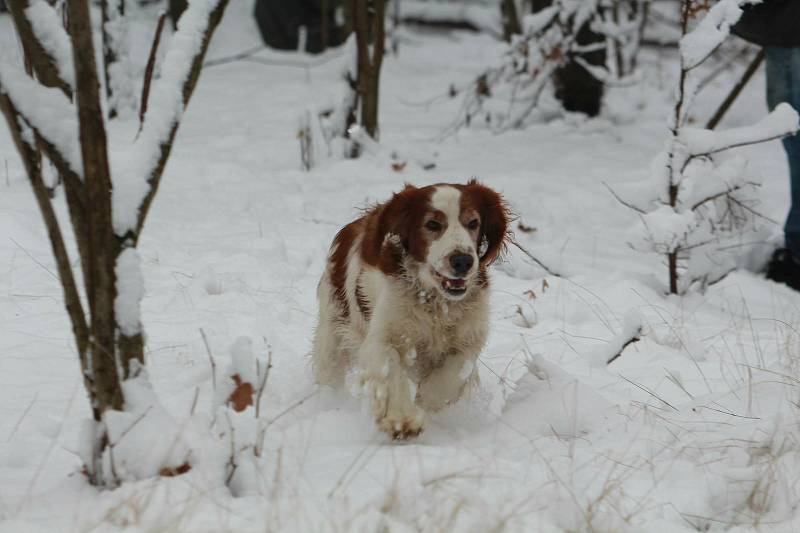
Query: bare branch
727	191
151	64
72	300
532	258
170	121
623	202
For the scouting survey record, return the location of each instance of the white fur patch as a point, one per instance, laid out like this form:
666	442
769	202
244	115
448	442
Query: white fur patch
455	237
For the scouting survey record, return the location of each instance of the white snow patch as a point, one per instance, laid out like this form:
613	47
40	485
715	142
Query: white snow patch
130	290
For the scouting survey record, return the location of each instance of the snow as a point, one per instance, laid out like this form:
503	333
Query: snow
694	427
47	110
484	16
130	290
50	31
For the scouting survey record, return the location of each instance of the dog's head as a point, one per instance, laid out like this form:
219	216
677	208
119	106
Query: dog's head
445	234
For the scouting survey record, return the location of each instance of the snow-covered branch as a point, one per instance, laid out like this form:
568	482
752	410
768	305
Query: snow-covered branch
50	33
138	173
48	111
42	43
697	45
782	121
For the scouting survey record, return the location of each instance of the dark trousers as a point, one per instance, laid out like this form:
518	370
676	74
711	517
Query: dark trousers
783	85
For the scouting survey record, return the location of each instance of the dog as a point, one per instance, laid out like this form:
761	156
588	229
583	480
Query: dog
404	301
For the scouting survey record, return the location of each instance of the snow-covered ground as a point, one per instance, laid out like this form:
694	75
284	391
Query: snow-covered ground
694	428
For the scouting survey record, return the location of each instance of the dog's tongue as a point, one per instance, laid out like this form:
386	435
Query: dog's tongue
453	283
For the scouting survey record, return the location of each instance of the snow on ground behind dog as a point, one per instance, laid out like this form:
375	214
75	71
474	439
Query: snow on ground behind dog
695	426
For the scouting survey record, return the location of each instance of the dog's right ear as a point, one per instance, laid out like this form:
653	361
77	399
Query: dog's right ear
390	237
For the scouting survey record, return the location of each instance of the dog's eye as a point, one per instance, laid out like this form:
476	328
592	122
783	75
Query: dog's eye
433	225
473	224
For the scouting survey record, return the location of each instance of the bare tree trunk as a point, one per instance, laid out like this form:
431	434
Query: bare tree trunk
368	21
100	286
176	9
511	25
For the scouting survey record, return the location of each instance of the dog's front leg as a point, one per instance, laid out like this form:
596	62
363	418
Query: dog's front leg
390	391
445	384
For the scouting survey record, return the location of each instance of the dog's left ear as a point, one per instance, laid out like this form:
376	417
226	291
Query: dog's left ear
495	218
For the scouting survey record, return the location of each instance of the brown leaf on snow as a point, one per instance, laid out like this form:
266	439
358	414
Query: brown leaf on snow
172	471
398	166
242	396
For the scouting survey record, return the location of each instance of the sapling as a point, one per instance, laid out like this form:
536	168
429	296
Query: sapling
698	207
60	113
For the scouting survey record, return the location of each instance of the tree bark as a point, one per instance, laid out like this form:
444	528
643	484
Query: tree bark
101	284
511	25
368	24
176	9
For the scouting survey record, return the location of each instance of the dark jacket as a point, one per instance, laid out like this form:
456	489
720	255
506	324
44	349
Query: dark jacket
771	23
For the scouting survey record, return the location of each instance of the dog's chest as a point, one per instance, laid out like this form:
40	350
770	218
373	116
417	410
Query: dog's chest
429	330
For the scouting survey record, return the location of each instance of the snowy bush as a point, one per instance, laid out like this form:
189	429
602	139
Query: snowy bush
108	188
505	96
698	205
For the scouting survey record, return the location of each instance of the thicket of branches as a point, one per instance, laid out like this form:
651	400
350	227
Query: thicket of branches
55	114
504	96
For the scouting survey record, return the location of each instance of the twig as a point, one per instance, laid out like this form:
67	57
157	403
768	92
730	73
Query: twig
194	400
211	360
263	383
22	417
636	337
651	393
623	202
232	462
130	428
535	260
148	71
737	89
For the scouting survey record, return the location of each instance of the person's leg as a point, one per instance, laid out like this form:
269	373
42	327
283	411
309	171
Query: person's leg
792	146
783	85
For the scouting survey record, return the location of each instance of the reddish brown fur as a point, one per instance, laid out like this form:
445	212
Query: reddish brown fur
403	216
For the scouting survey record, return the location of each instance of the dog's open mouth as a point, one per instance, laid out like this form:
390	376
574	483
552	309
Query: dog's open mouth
456	287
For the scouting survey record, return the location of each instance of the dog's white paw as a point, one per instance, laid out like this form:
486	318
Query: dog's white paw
392	405
402	424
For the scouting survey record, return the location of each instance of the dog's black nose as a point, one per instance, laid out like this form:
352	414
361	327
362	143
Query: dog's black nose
461	263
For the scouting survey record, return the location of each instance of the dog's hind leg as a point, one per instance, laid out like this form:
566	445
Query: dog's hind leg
329	359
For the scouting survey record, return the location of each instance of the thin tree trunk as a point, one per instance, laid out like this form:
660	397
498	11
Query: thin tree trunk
368	21
324	28
511	25
101	284
176	9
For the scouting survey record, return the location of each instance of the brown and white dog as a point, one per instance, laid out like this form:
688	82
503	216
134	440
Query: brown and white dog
403	302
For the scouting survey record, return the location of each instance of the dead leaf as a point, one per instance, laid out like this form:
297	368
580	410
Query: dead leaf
172	471
242	396
530	294
545	285
398	166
